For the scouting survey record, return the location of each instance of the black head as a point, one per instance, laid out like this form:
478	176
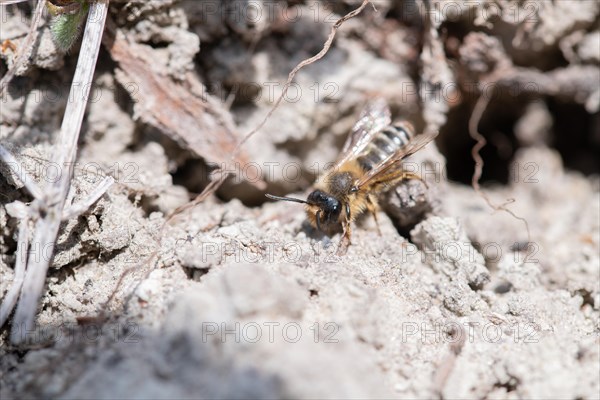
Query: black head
330	206
326	210
322	208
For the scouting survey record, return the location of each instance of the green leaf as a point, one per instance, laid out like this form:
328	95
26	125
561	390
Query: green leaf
66	28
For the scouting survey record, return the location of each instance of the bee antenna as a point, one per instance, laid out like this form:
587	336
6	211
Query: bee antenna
270	196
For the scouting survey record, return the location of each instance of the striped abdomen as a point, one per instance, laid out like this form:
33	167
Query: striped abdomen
385	143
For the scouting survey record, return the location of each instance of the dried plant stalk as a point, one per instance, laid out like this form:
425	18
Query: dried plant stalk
9	301
26	46
51	210
16	168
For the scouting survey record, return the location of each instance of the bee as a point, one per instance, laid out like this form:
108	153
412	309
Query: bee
369	164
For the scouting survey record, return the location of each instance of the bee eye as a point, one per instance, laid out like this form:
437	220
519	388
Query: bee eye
317	197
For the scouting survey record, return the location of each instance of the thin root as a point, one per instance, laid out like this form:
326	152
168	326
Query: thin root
301	65
478	111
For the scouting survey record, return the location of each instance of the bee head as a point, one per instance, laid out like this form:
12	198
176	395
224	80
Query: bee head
322	209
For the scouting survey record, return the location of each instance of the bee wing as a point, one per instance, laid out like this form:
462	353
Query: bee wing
394	161
373	118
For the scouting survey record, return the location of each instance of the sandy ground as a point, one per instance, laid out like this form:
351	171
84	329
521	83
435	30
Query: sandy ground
236	297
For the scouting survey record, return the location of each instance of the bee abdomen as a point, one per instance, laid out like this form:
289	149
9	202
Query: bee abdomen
385	143
400	133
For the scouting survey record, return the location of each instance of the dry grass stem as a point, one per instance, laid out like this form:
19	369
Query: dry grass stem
50	213
77	209
26	47
9	301
16	168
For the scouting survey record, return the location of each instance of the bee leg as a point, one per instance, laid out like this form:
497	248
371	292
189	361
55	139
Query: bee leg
410	175
345	241
373	210
318	220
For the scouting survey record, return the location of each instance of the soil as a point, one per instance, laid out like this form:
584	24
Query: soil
239	297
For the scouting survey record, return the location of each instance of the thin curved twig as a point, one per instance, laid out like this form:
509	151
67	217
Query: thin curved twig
474	120
298	67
